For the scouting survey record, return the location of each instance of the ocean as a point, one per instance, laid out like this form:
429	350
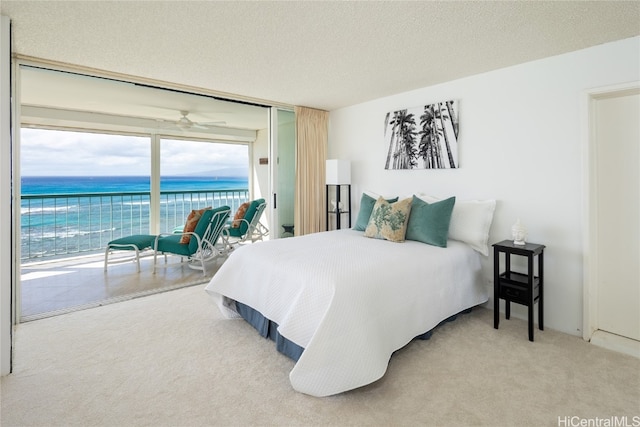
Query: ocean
65	215
42	185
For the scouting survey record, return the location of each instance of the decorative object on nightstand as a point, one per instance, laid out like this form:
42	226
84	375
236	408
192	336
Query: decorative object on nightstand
519	233
521	288
338	173
288	230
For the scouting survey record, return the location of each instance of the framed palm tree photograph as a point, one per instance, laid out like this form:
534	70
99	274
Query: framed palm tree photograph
423	137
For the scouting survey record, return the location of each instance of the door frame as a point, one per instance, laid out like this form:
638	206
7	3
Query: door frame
273	172
590	330
7	254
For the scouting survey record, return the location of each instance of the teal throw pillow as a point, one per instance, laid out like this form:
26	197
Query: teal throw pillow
429	222
366	207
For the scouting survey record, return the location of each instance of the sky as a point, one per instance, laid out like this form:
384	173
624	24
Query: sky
65	153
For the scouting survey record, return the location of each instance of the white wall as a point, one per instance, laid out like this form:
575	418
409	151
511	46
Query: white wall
521	142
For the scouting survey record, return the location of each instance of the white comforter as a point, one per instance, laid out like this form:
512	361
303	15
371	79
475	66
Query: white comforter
350	301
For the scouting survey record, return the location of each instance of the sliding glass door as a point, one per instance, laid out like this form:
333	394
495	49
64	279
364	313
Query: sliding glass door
165	151
283	169
80	190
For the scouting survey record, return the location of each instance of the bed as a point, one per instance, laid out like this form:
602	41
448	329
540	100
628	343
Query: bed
341	303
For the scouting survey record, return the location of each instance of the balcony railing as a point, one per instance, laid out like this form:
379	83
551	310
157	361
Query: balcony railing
61	224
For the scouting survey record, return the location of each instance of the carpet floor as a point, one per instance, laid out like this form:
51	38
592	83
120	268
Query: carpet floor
171	359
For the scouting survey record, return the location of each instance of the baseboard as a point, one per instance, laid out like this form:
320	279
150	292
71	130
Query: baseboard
616	343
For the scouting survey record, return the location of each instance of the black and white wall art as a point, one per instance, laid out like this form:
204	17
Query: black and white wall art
423	137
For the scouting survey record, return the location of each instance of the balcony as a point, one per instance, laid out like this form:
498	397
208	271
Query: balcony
63	238
69	224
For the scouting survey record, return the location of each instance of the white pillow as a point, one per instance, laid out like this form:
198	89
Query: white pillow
470	221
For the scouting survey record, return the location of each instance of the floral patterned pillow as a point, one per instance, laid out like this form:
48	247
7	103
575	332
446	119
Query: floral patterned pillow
389	220
190	225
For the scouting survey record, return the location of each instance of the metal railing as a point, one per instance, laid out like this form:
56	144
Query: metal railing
62	224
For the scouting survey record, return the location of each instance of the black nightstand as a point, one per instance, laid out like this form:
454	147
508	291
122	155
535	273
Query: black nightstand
337	191
521	288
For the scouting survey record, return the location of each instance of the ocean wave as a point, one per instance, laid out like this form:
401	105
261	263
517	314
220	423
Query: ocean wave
138	203
47	209
64	234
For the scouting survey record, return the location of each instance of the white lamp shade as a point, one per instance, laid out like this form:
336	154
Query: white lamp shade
338	172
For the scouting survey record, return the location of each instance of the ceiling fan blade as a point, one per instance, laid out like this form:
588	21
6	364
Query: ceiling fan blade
165	123
218	123
184	123
207	126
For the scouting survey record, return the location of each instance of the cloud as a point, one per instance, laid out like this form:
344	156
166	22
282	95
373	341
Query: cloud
66	153
179	157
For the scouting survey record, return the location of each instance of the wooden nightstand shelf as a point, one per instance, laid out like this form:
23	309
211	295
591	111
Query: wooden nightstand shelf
521	288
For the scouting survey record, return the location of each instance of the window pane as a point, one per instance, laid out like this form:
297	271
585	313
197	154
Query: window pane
64	153
81	190
196	174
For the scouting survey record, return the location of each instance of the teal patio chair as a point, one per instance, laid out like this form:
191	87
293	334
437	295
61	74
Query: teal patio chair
250	229
203	245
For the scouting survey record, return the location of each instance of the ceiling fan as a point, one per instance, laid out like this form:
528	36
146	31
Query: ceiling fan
185	123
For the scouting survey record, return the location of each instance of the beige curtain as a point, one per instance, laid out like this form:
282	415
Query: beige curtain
312	128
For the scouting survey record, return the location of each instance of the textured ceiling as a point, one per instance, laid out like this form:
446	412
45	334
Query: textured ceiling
319	54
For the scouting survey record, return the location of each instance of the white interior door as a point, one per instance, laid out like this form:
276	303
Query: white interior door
617	133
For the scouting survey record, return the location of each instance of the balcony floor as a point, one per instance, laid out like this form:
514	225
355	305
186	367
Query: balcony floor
58	286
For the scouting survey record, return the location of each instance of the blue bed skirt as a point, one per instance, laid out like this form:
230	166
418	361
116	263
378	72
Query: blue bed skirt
269	329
